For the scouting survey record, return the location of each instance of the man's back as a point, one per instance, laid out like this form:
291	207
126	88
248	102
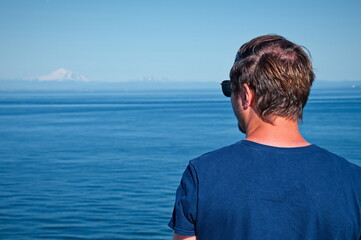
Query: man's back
254	191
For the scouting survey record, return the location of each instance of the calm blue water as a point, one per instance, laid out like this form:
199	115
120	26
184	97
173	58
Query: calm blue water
106	165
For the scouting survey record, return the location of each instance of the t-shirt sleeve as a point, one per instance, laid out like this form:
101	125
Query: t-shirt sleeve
185	208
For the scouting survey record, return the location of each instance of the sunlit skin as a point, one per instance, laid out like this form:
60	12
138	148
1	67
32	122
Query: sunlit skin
181	237
282	132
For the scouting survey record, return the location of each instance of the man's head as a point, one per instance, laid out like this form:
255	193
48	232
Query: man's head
279	74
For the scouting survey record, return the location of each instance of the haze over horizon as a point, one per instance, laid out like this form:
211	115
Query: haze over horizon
122	41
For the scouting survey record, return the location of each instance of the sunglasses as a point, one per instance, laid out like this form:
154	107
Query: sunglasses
226	88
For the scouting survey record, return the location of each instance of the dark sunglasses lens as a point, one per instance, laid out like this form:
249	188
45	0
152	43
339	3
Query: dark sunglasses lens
226	88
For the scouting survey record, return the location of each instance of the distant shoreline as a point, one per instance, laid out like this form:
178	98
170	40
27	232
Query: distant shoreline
77	86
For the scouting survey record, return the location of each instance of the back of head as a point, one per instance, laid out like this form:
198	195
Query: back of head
278	71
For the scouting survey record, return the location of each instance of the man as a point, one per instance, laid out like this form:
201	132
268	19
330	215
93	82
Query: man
274	184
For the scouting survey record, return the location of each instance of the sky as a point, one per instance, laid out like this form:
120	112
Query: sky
127	40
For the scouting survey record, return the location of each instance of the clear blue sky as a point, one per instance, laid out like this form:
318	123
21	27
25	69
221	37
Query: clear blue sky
173	40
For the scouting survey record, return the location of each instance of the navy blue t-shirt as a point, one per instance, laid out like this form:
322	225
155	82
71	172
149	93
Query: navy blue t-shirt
253	191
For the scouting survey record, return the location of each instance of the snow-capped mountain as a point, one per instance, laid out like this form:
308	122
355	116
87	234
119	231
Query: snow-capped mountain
62	74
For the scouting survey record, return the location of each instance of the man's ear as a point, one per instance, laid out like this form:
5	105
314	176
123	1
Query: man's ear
247	96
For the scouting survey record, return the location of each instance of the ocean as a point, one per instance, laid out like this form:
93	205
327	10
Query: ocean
106	165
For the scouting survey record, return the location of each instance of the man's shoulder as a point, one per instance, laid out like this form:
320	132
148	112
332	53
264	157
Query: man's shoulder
323	153
219	154
247	151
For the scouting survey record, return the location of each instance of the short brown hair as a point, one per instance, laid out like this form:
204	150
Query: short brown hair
278	71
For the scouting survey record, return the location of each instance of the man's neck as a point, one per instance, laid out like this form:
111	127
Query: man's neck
282	133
